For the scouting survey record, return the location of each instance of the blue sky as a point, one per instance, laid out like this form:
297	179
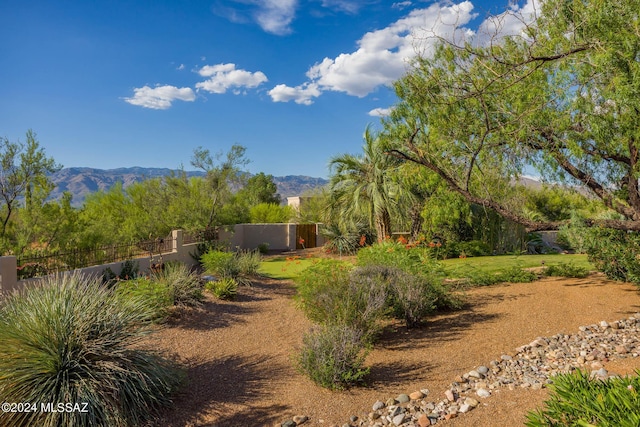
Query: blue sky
110	84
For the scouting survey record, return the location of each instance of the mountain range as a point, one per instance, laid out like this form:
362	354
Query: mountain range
81	181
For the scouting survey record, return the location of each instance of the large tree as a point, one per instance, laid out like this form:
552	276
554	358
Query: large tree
561	94
24	170
224	172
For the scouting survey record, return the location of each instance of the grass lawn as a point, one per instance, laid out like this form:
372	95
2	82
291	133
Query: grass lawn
285	267
494	264
290	267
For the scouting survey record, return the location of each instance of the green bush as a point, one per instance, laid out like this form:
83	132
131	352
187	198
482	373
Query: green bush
220	264
517	275
566	270
73	340
394	254
156	294
616	253
184	287
577	400
418	289
333	356
321	287
224	288
240	266
413	297
248	262
129	271
471	248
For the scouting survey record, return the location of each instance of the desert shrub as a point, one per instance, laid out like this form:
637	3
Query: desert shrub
471	276
183	286
393	254
577	400
413	297
418	289
566	270
156	294
471	248
320	287
72	339
333	356
239	266
248	262
365	300
129	271
516	274
223	288
220	264
615	253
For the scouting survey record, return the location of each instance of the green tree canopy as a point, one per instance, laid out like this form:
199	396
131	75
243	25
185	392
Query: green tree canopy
24	169
562	95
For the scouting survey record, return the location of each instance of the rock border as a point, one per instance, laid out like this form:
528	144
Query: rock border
531	366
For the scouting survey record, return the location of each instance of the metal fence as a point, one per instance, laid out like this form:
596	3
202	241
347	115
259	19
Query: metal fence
204	235
41	263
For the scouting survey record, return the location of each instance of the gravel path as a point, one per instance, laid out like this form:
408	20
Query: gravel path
240	372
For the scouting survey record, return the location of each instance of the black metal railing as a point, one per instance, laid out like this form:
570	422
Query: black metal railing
205	235
44	262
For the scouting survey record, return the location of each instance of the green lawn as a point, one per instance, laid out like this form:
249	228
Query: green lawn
285	267
290	267
494	264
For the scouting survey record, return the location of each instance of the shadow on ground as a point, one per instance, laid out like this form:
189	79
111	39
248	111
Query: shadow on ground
227	389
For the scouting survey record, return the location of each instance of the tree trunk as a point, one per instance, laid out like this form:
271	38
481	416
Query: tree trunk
383	225
416	221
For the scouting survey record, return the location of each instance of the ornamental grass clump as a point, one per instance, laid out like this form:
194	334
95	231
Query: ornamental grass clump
240	266
71	340
578	400
184	287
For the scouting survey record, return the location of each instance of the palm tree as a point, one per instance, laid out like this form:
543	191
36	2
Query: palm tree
361	185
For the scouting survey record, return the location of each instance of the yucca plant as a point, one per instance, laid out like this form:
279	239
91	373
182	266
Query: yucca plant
71	340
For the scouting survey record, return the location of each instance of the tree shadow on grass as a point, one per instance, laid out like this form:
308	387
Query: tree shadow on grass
222	392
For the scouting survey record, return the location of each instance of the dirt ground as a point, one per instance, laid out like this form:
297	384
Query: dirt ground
239	354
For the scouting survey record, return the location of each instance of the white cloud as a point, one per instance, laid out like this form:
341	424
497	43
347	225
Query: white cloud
302	94
380	112
160	97
510	23
401	5
225	76
382	55
349	6
180	67
273	16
